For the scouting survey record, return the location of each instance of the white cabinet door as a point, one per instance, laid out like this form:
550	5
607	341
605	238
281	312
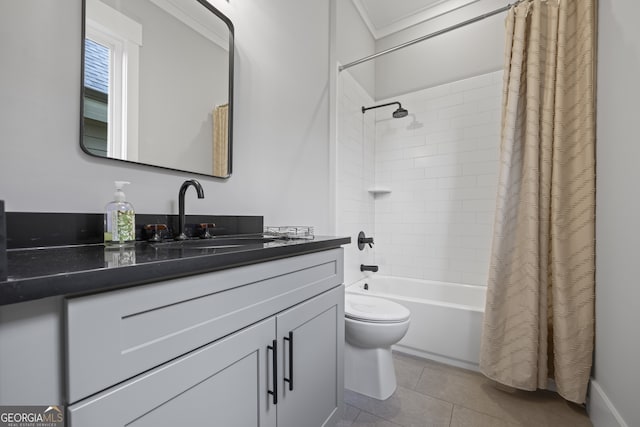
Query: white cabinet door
225	383
311	339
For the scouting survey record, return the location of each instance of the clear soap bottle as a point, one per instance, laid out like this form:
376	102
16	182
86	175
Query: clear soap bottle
119	219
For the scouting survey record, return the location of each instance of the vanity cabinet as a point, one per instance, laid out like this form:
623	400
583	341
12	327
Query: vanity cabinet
259	345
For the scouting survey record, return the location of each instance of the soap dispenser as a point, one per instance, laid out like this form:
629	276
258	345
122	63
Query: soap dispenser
119	219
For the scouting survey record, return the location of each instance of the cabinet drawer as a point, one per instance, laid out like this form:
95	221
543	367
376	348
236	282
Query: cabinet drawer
116	335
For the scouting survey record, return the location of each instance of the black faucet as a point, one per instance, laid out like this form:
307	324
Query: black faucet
373	268
183	190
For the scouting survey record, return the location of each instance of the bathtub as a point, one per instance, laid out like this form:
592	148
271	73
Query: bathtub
446	318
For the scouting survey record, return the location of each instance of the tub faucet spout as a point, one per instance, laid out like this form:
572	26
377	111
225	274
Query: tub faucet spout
373	268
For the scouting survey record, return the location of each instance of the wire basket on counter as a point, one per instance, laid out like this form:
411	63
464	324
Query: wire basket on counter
290	232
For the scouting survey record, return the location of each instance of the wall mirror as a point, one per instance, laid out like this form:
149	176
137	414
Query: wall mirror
157	86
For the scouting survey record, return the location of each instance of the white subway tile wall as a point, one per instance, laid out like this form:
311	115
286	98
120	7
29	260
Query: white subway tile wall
441	163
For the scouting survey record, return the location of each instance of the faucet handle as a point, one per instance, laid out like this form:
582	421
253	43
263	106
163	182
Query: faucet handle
363	240
206	226
156	229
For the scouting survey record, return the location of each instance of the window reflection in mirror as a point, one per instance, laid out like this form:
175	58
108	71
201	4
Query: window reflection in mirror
157	87
96	98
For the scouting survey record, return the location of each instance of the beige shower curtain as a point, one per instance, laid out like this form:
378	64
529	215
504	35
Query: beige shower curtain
221	140
539	317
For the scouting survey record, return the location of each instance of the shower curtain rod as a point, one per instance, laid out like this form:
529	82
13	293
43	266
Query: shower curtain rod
428	36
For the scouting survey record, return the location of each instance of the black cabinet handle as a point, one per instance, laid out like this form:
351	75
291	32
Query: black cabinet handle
274	393
290	379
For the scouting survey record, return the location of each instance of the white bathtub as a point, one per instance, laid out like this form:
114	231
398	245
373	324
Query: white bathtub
446	318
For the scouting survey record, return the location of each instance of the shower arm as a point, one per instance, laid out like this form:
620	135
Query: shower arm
381	105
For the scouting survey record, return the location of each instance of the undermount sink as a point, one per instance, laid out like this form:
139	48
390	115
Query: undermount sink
214	243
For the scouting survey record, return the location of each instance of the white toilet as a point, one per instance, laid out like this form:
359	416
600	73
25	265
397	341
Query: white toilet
372	326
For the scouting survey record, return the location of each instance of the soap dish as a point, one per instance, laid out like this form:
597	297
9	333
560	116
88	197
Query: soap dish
290	232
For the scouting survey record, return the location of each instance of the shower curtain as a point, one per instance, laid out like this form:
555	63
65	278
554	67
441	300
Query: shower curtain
221	140
539	317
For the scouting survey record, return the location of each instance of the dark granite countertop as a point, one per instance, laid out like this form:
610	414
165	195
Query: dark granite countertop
72	270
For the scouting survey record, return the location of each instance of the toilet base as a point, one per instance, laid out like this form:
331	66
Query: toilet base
369	371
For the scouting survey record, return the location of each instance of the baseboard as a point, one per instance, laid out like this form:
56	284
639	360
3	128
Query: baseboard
600	409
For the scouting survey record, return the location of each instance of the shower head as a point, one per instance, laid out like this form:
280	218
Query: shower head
399	113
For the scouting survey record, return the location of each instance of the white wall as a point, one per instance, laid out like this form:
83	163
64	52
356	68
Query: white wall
355	42
441	164
616	372
355	173
281	149
469	51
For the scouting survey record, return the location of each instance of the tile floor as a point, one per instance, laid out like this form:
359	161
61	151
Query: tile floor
433	394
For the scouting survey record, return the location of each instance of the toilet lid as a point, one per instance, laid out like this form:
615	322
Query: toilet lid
372	309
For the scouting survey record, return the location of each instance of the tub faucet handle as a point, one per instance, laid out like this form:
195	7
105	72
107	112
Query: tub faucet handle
363	240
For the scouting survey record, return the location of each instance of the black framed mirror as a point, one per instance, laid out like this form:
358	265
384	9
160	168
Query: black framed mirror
157	84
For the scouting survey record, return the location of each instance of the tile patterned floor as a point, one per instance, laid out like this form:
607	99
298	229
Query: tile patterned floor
433	394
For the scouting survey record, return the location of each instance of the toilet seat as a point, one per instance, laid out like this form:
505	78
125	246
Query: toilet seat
372	309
